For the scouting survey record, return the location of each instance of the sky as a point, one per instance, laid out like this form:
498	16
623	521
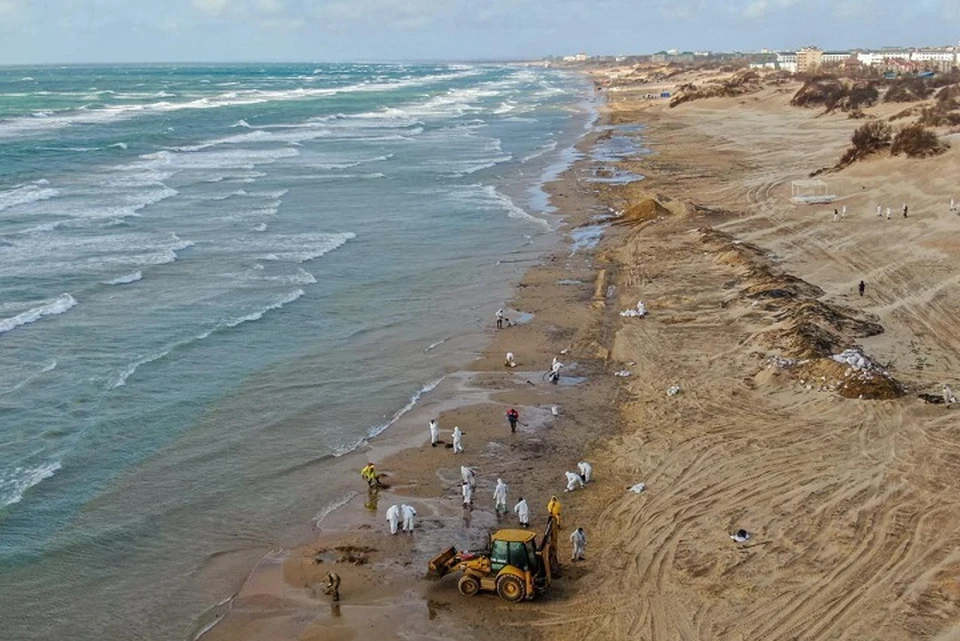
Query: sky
116	31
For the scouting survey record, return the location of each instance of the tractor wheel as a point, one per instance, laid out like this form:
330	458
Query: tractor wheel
468	585
510	588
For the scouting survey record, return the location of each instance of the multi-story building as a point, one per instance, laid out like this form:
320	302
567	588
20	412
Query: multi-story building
834	57
808	59
787	61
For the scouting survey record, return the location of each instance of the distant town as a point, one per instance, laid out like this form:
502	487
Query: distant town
887	59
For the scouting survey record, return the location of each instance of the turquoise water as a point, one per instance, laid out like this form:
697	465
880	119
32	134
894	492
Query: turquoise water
214	278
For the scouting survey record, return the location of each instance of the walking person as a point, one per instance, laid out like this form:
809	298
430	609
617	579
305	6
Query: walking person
434	433
586	471
513	416
888	213
553	509
904	210
879	211
843	212
523	512
500	497
500	318
862	287
408	513
393	518
953	204
466	491
836	215
467	476
579	540
457	440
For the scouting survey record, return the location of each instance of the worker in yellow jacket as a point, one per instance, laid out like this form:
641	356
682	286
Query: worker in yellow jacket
553	508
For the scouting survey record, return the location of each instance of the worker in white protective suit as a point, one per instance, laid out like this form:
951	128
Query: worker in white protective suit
510	361
586	471
500	497
393	518
457	440
573	481
523	512
948	396
467	491
408	513
579	540
467	476
434	433
555	370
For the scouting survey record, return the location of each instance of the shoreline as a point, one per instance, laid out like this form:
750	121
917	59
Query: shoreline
403	434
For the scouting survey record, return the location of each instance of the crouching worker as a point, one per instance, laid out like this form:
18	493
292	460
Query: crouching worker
369	474
333	585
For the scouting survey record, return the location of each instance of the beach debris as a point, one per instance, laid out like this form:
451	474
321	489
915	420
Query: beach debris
555	410
673	390
636	312
638	488
856	359
623	373
783	363
740	536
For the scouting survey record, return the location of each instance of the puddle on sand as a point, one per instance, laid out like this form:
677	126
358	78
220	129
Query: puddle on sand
586	237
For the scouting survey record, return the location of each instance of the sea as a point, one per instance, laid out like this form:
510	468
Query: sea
214	281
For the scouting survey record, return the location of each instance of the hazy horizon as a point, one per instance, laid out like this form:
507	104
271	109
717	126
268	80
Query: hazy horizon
228	31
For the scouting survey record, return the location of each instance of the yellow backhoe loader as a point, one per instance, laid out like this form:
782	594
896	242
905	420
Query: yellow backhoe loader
514	566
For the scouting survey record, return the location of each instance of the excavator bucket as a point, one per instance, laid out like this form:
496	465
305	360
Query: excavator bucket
444	562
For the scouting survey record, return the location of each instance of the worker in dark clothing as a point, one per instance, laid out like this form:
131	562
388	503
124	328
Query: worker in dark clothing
513	416
862	287
333	585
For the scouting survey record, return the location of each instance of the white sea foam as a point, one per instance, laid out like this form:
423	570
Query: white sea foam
119	145
487	196
14	484
24	195
20	126
406	408
49	308
125	279
260	227
297	248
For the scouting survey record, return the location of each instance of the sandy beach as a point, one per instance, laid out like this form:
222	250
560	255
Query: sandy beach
846	481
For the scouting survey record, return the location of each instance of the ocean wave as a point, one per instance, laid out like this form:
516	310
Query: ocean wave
241	123
330	507
125	279
21	125
299	248
47	367
121	378
488	195
550	146
14	484
260	227
50	308
414	399
24	195
119	145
